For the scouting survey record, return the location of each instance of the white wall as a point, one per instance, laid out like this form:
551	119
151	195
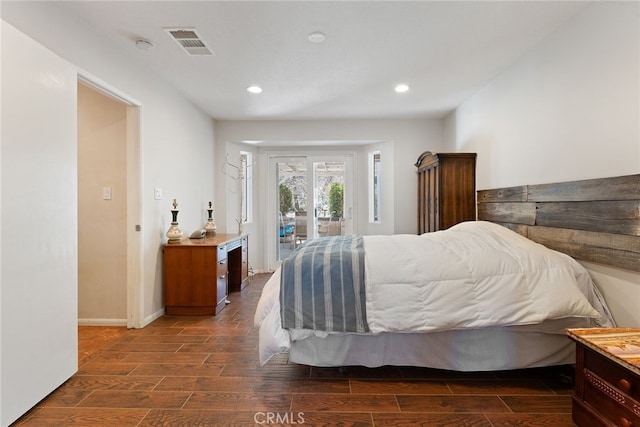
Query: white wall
178	155
568	110
177	138
409	138
38	310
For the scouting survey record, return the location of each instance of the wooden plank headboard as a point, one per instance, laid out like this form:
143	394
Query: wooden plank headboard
594	220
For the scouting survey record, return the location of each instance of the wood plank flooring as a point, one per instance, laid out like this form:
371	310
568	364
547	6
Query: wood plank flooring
204	371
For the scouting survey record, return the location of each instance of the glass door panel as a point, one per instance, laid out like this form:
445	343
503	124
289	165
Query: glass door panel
292	204
312	200
328	189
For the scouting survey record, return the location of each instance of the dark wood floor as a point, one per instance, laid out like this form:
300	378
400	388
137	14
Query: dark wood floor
203	371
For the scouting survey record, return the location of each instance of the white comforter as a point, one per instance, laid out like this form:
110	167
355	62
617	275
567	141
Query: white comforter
473	275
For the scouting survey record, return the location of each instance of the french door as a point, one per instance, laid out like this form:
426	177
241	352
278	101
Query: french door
312	198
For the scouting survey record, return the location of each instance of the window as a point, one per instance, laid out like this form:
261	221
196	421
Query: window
246	185
375	198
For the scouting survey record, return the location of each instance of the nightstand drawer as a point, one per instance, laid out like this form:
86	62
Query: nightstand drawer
613	404
613	374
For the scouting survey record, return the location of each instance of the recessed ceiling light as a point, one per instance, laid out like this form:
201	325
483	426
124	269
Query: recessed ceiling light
254	89
316	37
401	88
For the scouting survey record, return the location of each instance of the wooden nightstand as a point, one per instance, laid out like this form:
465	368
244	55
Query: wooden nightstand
607	377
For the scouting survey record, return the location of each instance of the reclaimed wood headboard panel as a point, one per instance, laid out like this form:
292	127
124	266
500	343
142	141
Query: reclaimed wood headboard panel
594	220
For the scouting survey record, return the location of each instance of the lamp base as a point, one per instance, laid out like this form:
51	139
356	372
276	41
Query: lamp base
174	234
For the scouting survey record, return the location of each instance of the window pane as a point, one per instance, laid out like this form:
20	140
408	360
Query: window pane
246	170
375	199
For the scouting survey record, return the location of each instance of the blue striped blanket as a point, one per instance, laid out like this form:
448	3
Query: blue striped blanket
322	286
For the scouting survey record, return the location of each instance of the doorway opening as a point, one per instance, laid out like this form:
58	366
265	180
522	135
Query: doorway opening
110	291
314	200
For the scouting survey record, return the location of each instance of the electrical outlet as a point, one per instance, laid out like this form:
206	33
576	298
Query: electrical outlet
157	193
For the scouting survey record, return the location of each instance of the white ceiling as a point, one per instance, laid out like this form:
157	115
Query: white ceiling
444	50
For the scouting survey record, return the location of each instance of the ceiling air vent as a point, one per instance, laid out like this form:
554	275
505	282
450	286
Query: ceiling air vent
190	41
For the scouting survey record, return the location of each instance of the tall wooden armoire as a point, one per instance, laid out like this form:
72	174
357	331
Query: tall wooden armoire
446	190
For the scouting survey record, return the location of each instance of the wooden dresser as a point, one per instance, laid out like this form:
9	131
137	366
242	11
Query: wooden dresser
446	190
198	273
607	389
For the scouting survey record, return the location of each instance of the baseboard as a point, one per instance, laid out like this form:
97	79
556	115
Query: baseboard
153	317
102	322
119	322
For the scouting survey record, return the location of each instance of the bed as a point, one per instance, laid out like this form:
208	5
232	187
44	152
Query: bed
502	301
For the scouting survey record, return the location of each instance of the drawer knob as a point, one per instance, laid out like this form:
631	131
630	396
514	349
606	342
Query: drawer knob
625	422
625	385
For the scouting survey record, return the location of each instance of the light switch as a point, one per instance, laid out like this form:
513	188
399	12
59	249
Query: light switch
157	193
106	193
